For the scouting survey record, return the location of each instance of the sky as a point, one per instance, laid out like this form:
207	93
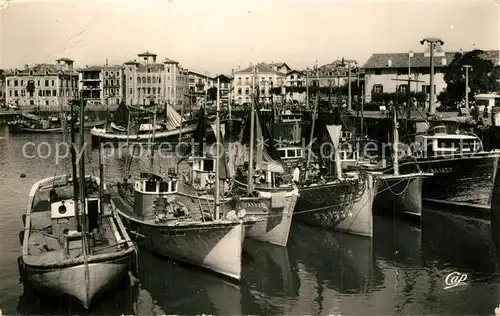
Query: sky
216	36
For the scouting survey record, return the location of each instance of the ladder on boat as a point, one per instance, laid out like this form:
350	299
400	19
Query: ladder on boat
205	209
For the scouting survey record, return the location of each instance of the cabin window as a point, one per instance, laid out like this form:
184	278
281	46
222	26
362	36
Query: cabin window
299	152
174	186
208	165
378	88
62	209
150	186
282	153
290	153
164	186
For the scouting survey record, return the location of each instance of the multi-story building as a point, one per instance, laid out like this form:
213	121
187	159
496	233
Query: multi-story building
225	88
199	85
267	79
102	85
382	70
42	85
149	81
2	87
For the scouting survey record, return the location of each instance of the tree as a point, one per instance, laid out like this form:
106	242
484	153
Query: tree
483	77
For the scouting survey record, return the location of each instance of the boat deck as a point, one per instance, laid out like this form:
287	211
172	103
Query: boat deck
46	249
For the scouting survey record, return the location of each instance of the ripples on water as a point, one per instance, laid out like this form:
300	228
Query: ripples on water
400	271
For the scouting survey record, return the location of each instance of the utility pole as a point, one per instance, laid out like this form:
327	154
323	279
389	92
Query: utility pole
467	68
432	42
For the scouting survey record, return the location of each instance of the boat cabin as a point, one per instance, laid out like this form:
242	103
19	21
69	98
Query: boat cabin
64	224
148	188
203	171
289	116
439	142
291	153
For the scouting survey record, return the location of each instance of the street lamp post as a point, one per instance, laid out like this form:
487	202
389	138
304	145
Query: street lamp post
467	68
432	42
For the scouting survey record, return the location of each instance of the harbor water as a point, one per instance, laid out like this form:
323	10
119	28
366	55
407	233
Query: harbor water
402	270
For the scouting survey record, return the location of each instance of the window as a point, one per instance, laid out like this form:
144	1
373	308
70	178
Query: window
106	73
378	72
247	91
208	165
427	88
143	80
10	93
38	82
149	79
22	83
143	90
46	83
54	93
154	90
106	82
15	83
8	82
159	79
403	88
53	83
247	80
149	90
149	70
46	102
159	90
130	90
239	91
130	79
32	102
39	93
112	82
378	88
138	91
23	93
154	79
139	80
31	72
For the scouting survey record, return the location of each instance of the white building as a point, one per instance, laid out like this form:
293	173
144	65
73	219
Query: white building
43	85
149	81
267	79
382	69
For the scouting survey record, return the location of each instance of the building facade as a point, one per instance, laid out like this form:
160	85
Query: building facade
149	82
198	86
266	79
2	87
385	72
102	85
225	88
50	85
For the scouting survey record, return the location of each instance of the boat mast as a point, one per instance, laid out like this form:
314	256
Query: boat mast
82	187
182	116
395	162
217	157
73	163
309	153
127	142
252	135
152	141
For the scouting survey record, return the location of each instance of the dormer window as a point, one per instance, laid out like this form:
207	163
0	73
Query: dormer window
31	72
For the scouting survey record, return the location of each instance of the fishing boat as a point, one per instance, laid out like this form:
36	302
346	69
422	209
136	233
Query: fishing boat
340	201
139	130
31	123
73	242
182	226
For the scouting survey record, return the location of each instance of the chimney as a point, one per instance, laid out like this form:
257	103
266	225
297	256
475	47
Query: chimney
106	61
389	63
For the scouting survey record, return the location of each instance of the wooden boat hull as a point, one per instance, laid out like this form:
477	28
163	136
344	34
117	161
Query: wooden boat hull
344	206
274	226
213	246
55	130
55	274
71	280
402	193
99	135
458	181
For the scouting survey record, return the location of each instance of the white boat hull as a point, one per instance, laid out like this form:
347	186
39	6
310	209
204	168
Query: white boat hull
71	281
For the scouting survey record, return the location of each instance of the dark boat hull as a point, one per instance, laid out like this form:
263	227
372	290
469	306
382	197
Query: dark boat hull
20	129
458	181
345	206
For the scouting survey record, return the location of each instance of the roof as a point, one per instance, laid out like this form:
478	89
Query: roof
92	68
146	53
295	71
42	69
223	77
400	60
170	61
199	74
280	65
131	62
260	67
65	59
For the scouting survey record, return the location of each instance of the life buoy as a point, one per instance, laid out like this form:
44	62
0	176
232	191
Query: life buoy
211	179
